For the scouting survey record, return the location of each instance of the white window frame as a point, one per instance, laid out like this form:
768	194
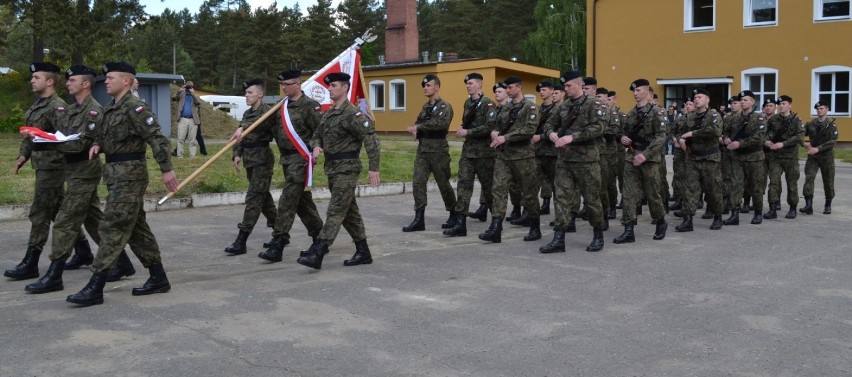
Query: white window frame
818	14
745	83
747	13
687	18
392	95
815	92
375	106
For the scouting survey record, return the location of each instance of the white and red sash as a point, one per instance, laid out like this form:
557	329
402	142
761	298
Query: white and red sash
298	143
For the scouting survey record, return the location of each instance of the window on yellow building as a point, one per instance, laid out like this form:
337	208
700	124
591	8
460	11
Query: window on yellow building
832	84
828	10
377	95
699	15
397	94
763	82
760	12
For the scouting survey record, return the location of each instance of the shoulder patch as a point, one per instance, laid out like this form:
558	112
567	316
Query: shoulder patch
600	112
93	113
139	109
443	106
490	104
91	126
532	116
532	107
367	124
358	114
149	121
318	108
60	109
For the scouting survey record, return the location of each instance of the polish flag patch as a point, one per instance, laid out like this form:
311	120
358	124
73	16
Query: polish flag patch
140	109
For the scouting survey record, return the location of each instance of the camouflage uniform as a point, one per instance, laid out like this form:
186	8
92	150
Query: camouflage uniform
477	158
822	135
679	160
545	155
258	161
515	159
433	153
728	159
665	192
790	131
646	127
127	125
341	133
614	159
747	163
604	164
702	162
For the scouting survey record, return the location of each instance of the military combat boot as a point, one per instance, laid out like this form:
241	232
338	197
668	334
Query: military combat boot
660	232
572	223
481	213
717	222
627	236
685	225
557	245
545	206
417	224
82	254
239	245
494	232
778	205
611	213
791	214
808	209
827	209
313	256
746	208
28	268
734	219
523	220
535	229
771	214
362	255
451	221
275	252
679	213
707	214
156	283
758	216
460	230
124	267
92	293
605	226
677	205
51	281
516	212
597	240
726	204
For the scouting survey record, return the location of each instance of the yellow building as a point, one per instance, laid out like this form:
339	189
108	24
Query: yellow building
396	97
796	48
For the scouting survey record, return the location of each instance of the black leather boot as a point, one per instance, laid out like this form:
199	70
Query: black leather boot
156	283
523	220
572	223
808	209
481	213
362	255
51	281
746	208
275	252
726	204
827	209
678	204
451	221
734	219
516	212
627	236
557	245
28	268
82	254
717	223
460	230
605	226
660	232
597	240
124	267
545	206
494	232
92	293
267	244
535	229
707	215
685	225
239	245
771	214
778	205
791	214
417	224
679	213
758	216
313	256
611	213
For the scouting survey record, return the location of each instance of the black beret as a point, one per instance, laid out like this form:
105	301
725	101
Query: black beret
118	67
767	101
558	87
79	69
638	83
512	80
734	98
289	74
336	76
611	93
471	76
568	76
590	81
746	93
700	91
821	103
43	67
252	82
499	85
603	91
784	98
428	78
544	84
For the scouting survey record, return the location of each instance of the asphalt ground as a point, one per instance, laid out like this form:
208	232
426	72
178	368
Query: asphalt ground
749	300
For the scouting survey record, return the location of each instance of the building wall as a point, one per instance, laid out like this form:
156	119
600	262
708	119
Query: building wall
629	39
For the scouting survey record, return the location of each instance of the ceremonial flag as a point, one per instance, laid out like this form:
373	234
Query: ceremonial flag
40	136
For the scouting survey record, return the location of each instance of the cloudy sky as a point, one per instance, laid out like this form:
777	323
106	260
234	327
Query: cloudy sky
155	7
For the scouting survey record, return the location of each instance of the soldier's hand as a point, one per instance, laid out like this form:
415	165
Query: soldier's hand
375	179
317	152
461	132
564	141
238	134
639	159
93	151
20	163
27	134
812	151
237	163
682	144
626	140
686	135
776	146
170	180
726	141
734	145
498	141
553	137
536	139
494	134
413	131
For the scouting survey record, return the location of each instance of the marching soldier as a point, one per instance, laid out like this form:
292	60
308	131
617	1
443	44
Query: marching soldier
545	152
745	138
481	213
769	109
342	131
784	135
728	155
679	157
822	136
615	156
609	133
433	154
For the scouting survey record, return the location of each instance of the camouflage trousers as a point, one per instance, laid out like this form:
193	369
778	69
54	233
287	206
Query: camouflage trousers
790	168
574	179
437	164
46	202
519	173
824	165
679	170
295	200
727	171
665	192
641	179
603	194
258	198
546	173
621	152
342	209
702	176
469	169
747	179
613	165
81	206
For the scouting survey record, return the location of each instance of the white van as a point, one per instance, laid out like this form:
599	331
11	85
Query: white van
235	106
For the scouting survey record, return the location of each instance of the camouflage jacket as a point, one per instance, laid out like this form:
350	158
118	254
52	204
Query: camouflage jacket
750	130
341	133
646	126
82	118
583	118
544	147
788	130
706	128
305	113
823	136
48	114
479	119
254	148
516	122
616	119
433	122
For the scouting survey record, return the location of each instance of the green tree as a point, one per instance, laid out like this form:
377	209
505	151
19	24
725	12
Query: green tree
358	16
559	40
318	35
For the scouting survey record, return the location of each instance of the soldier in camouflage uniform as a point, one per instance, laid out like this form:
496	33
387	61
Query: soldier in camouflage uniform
127	125
609	132
514	161
615	154
822	136
342	131
784	135
679	155
48	113
477	158
644	132
433	154
575	128
481	214
728	155
769	109
745	136
700	142
545	152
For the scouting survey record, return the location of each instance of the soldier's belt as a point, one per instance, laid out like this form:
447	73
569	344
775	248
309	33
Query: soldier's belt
705	152
432	135
288	152
77	157
120	157
342	156
518	143
640	146
41	147
749	149
256	144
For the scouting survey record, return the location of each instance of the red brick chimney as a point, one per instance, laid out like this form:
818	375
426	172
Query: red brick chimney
401	35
